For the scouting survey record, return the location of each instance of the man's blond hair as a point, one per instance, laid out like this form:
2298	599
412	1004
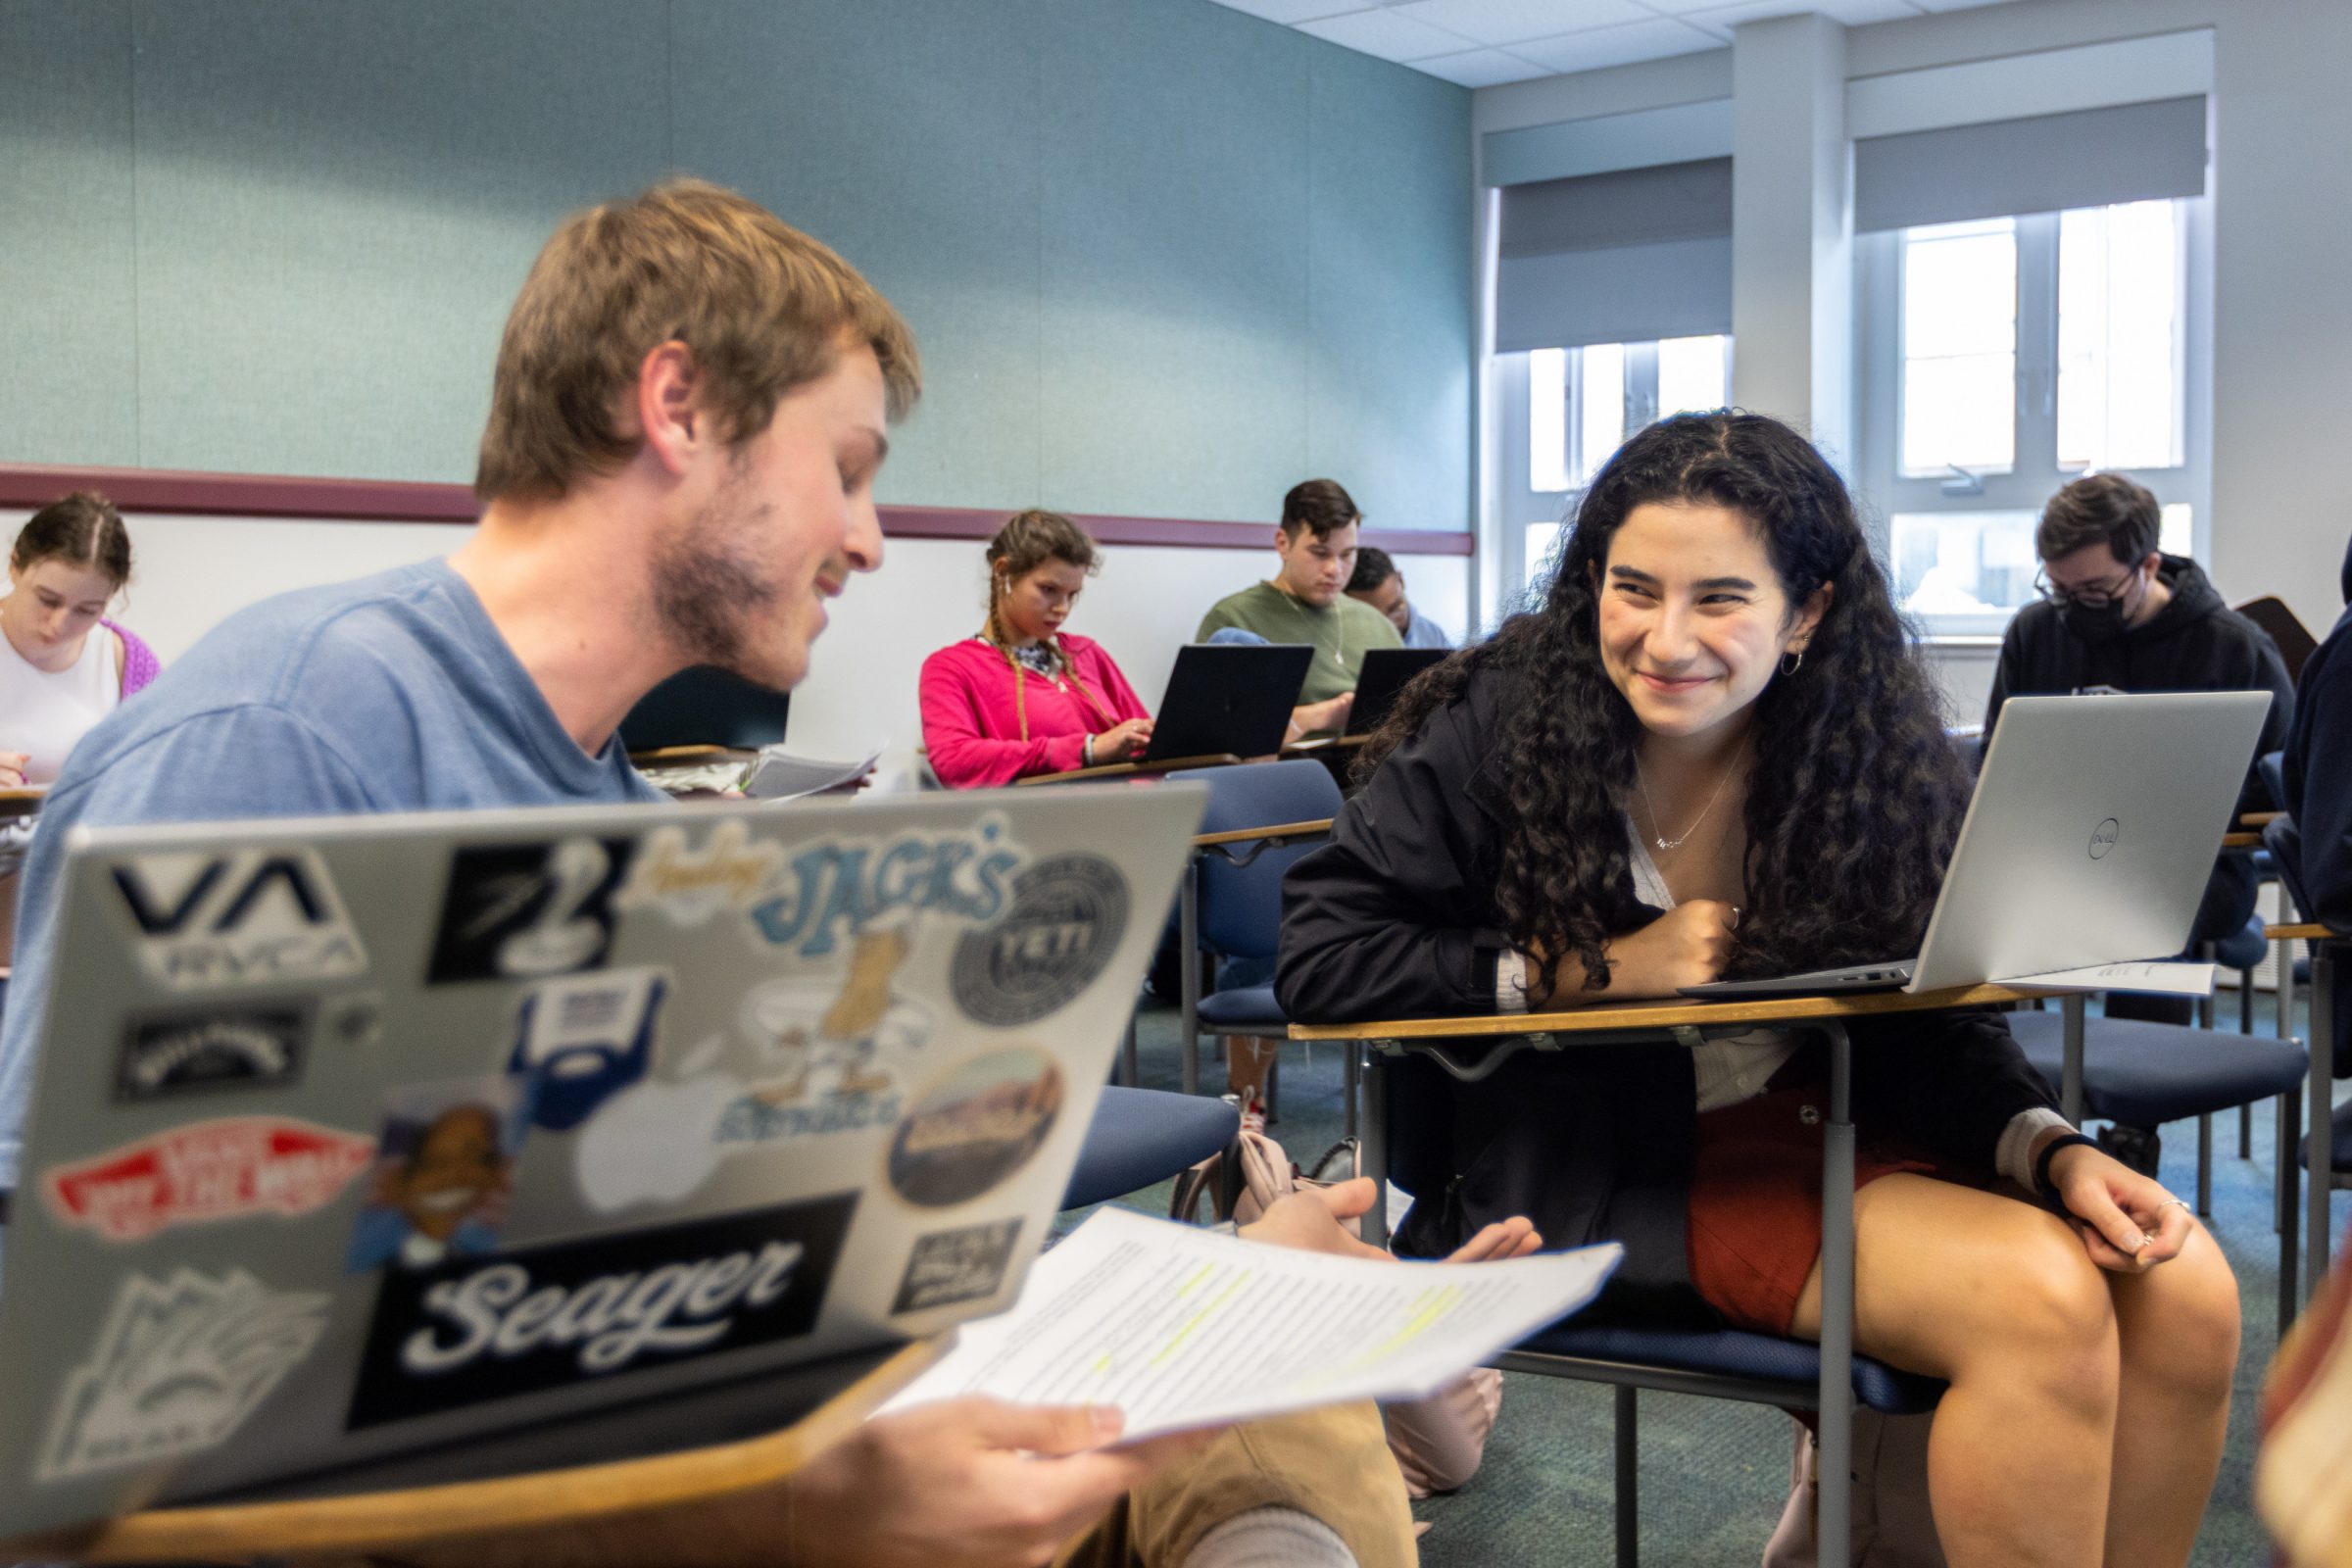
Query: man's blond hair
761	307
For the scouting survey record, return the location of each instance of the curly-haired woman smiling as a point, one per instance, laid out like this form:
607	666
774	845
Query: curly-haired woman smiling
1712	751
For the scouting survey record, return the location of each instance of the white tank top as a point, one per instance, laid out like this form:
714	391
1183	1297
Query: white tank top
43	714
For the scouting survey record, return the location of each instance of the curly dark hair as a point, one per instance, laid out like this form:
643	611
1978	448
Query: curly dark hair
1855	793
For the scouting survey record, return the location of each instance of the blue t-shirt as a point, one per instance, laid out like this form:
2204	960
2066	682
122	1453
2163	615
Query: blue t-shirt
1422	633
395	693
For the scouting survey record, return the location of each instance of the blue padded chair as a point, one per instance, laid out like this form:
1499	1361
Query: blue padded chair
1236	890
2285	845
1143	1136
1714	1363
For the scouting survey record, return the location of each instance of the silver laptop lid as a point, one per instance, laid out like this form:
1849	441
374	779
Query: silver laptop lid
2091	834
355	1137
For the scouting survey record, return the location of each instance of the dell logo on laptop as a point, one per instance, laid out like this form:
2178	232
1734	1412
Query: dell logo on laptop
2103	837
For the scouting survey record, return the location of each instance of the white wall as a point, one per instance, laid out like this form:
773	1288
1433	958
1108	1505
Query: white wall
191	572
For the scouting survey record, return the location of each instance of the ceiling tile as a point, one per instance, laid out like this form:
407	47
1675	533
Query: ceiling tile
1482	68
1288	12
1616	46
1722	18
1386	34
1959	5
1506	22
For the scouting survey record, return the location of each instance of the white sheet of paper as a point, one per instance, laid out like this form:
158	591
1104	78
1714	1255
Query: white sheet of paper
777	775
1182	1328
2177	979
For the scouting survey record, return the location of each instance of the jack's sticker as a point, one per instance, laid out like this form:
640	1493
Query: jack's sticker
829	892
244	919
480	1329
975	1126
1068	915
229	1168
585	1038
255	1047
961	1265
178	1366
444	1172
524	912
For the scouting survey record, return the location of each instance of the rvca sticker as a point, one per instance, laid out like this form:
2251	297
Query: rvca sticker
1068	915
482	1329
208	1170
525	911
245	918
444	1167
258	1047
949	1266
975	1127
583	1040
177	1368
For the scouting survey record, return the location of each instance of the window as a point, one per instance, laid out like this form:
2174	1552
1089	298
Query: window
1583	403
2004	357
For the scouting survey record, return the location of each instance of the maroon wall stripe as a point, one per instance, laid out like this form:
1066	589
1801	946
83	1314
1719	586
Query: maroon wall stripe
269	495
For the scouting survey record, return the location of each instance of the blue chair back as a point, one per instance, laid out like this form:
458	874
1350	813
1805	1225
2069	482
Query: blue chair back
2271	767
1241	905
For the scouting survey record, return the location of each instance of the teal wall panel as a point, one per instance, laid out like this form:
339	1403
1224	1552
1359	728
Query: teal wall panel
1390	318
1175	258
68	343
1162	257
337	205
904	133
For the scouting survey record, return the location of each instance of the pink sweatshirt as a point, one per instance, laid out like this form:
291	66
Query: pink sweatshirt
972	720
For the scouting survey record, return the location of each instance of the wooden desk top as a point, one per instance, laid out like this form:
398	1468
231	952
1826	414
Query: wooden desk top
1251	835
1115	770
1671	1014
2241	841
22	801
550	1500
2297	933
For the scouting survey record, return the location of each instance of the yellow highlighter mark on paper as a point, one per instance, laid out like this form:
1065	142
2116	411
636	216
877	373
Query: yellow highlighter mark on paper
1208	1309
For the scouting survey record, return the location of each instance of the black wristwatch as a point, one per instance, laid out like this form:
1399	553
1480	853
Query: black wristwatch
2041	1170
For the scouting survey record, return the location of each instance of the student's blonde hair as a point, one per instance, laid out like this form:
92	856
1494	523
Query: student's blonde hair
762	308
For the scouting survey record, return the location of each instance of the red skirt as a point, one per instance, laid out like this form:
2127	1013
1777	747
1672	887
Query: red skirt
1754	1231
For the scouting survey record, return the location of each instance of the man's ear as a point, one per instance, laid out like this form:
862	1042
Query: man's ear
671	418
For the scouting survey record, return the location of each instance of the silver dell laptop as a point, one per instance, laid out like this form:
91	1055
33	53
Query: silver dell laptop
2089	840
356	1141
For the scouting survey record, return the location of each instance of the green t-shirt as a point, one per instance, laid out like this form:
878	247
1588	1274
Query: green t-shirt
1342	632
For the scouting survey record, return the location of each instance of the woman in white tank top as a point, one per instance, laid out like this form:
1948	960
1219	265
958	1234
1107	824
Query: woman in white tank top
62	667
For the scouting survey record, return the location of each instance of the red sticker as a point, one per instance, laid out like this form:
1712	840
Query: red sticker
208	1170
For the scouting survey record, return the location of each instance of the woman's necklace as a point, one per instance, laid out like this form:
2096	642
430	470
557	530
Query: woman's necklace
1657	832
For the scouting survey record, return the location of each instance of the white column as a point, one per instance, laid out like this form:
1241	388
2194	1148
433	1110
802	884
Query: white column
1793	228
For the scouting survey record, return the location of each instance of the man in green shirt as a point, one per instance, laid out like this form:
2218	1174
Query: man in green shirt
1304	602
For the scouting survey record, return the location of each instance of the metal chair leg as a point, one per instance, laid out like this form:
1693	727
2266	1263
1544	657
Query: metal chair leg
1188	948
2284	1177
1127	1055
2205	1165
2246	1130
1629	1480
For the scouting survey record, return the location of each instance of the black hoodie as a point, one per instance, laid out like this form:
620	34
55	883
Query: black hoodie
2195	643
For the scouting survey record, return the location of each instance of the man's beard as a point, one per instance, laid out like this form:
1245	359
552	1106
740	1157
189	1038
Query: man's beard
707	586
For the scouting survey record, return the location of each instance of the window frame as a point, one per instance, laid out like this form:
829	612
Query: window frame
2034	473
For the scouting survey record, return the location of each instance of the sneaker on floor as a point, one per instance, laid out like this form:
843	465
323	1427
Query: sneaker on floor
2136	1146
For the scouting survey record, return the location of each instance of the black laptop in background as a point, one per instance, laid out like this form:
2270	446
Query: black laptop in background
705	706
1228	697
1387	671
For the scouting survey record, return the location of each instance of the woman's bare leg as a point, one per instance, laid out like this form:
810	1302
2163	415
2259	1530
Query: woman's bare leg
1999	1300
2179	1329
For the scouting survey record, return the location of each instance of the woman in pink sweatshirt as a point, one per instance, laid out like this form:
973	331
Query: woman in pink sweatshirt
1022	697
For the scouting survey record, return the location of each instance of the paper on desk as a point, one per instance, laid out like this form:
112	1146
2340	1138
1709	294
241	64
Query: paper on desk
2175	979
1182	1328
776	775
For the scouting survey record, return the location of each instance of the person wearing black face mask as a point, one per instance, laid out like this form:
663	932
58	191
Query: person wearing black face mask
2118	614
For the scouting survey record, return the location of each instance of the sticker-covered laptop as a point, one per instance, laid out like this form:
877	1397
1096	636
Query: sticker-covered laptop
359	1137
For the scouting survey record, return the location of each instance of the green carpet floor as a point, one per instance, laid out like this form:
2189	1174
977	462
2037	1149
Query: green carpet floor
1714	1475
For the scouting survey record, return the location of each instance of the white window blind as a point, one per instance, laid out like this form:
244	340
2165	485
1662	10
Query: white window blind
2041	164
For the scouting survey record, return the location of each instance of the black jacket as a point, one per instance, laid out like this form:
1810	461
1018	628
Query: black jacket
1396	917
2318	775
2196	643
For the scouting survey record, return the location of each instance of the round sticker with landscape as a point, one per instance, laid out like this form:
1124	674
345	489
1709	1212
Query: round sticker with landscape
975	1126
1068	915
